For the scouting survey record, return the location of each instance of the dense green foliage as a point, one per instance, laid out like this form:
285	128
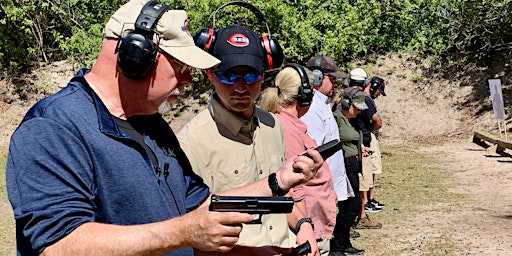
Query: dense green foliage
46	30
50	30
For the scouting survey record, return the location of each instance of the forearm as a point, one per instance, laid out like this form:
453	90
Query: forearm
294	171
106	239
376	121
306	232
299	211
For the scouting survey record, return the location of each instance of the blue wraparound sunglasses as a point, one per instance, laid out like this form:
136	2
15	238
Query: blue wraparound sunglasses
231	78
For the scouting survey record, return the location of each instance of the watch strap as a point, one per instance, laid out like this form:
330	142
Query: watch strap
302	221
274	186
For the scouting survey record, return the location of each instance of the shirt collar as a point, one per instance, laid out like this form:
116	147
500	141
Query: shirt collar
293	120
234	124
106	121
323	98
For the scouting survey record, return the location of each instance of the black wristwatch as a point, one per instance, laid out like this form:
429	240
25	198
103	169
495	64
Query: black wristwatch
274	186
302	221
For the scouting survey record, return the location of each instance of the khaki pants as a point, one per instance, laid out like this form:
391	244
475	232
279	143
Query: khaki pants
372	164
376	156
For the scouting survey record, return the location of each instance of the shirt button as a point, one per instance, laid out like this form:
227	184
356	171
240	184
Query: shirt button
261	172
270	227
236	171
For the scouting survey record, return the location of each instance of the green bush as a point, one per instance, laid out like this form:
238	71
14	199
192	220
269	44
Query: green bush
36	30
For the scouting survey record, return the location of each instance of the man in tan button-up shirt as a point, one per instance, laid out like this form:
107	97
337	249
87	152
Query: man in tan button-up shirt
234	143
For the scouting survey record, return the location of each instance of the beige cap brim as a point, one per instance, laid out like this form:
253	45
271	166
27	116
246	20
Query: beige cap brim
192	56
175	39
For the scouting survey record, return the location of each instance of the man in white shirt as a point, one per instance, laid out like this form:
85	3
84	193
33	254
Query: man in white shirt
323	128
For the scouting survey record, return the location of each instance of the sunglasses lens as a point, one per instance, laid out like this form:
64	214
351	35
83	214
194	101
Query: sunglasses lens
230	78
334	80
252	77
227	78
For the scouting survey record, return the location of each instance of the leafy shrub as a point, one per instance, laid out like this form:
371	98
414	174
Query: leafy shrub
51	30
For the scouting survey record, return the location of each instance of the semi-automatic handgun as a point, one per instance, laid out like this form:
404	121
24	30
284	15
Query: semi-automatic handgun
252	205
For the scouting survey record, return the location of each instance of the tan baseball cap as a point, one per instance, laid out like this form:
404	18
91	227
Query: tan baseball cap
358	74
175	39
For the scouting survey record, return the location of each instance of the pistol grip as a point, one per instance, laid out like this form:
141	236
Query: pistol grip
303	249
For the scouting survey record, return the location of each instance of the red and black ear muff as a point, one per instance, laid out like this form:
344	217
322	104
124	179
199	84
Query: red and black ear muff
265	44
204	38
211	37
209	73
274	55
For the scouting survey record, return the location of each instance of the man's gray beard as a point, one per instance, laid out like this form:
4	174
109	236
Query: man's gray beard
165	108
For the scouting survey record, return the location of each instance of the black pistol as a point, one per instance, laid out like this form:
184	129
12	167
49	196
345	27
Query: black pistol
328	149
251	205
302	249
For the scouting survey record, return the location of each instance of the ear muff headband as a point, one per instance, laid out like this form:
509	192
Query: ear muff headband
247	5
347	99
136	52
305	93
318	61
274	56
149	15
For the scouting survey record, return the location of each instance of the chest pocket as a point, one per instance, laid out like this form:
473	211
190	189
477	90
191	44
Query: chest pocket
234	175
244	168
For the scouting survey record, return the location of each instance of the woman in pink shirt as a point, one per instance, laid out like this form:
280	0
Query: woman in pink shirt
290	99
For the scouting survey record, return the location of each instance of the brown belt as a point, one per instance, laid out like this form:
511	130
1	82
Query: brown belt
352	159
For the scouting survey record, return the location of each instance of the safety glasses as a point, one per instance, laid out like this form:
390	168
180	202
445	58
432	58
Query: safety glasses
182	67
231	78
334	80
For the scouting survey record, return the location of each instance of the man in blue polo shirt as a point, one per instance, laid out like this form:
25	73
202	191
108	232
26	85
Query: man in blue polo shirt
94	169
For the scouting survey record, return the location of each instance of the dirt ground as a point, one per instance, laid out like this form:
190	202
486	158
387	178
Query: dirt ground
432	120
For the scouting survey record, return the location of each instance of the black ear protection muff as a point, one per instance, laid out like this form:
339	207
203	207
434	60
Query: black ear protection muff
318	75
136	52
362	83
305	94
347	99
274	56
365	82
375	83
